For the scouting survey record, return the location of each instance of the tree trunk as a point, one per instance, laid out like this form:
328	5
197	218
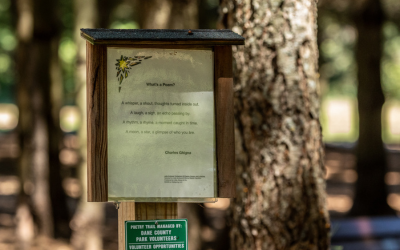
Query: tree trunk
371	193
39	100
195	215
184	14
89	218
104	9
280	200
169	14
58	197
25	221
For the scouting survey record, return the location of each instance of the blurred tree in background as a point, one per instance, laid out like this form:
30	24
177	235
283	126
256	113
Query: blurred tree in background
39	97
89	216
371	191
356	62
169	14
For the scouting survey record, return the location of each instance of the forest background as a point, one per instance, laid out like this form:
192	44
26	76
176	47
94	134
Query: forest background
359	87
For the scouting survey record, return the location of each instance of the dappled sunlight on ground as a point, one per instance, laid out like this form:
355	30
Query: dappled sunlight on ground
72	187
69	157
394	201
340	116
340	175
8	116
6	220
9	185
7	242
393	117
339	203
9	148
392	178
221	204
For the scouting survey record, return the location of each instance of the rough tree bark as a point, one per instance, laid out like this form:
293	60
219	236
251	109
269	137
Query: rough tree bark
371	192
168	14
280	200
39	100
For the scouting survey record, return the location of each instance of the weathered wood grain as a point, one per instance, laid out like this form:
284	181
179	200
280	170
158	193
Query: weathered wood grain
96	91
224	121
126	212
156	211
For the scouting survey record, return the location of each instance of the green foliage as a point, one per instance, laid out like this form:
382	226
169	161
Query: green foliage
338	71
7	39
67	51
124	17
8	44
4	5
337	64
124	25
5	62
391	62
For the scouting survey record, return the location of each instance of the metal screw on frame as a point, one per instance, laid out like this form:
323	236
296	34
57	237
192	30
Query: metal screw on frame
116	204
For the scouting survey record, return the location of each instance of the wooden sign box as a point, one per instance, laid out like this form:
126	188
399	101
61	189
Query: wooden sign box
219	41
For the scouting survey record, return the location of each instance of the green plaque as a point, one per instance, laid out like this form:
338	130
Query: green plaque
156	234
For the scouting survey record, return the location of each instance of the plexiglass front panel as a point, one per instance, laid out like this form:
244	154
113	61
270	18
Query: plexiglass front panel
161	136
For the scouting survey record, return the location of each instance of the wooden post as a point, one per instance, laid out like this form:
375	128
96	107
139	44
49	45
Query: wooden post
223	92
96	94
143	211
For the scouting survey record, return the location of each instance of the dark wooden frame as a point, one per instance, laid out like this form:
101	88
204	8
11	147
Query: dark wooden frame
97	154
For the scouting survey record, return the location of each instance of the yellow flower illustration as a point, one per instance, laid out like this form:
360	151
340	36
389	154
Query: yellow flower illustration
124	64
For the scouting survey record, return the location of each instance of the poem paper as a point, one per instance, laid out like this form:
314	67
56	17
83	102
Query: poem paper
161	136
